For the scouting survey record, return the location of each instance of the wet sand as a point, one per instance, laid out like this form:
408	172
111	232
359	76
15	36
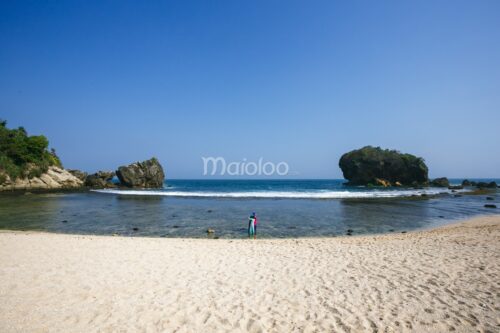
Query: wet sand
446	279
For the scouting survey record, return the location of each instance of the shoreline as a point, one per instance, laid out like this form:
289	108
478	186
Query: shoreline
447	224
433	280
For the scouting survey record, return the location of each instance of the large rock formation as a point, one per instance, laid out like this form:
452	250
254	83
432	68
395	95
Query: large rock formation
27	163
440	182
100	179
370	165
146	174
54	179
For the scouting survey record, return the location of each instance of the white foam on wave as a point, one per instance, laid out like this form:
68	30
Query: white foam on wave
281	194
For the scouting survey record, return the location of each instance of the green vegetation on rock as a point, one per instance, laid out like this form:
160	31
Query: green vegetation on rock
374	165
22	155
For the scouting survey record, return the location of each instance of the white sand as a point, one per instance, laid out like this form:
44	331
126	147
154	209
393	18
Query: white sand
442	280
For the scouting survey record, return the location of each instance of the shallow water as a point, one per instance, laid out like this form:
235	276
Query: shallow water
153	214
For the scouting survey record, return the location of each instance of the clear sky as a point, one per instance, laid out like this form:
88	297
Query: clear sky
112	82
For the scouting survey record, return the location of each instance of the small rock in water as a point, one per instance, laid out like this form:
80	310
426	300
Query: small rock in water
64	221
423	195
209	211
403	232
175	226
173	215
349	230
135	229
466	182
490	206
210	231
441	216
457	195
292	227
490	198
391	230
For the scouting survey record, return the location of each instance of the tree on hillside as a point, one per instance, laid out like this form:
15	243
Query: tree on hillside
22	155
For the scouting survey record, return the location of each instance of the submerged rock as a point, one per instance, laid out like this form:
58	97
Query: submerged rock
440	182
455	187
373	165
146	174
490	206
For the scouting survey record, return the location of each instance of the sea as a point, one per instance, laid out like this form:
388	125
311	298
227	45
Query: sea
284	208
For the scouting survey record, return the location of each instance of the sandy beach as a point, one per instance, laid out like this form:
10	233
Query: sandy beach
441	280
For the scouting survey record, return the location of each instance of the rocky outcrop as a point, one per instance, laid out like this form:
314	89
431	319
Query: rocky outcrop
146	174
487	185
79	174
440	182
54	179
466	182
100	179
373	165
382	182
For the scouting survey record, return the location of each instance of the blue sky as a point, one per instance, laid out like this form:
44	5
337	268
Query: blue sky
111	82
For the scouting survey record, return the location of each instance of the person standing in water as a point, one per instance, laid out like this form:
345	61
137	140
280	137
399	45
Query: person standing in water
254	225
251	225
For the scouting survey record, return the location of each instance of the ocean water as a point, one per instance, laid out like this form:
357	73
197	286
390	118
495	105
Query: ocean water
285	208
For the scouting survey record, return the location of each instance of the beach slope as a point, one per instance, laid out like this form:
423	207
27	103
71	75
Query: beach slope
446	279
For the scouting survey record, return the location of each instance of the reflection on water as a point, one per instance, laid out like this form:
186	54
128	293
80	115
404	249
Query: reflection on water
96	213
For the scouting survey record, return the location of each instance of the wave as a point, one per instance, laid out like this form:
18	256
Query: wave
281	194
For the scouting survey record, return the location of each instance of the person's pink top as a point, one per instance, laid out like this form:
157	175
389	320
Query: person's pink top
255	222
